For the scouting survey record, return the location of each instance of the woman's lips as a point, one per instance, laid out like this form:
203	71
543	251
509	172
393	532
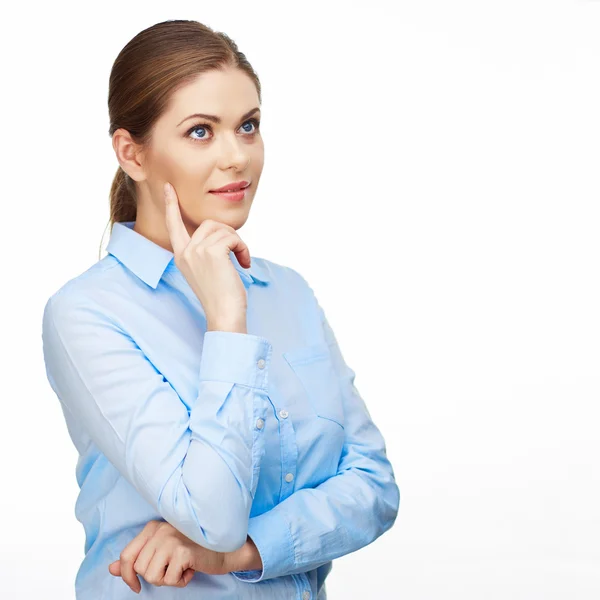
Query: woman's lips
231	196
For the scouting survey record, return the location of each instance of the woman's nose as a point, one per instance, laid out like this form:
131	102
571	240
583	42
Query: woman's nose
234	153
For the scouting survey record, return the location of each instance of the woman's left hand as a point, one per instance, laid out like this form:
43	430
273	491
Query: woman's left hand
162	555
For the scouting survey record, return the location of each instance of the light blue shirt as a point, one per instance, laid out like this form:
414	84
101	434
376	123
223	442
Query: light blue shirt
222	434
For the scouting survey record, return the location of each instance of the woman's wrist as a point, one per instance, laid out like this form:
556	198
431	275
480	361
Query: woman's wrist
246	558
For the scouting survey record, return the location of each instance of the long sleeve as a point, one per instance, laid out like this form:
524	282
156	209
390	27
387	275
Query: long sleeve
197	468
344	513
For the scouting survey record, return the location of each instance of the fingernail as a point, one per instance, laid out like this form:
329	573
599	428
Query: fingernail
166	190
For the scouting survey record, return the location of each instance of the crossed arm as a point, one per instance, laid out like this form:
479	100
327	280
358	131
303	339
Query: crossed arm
344	513
137	420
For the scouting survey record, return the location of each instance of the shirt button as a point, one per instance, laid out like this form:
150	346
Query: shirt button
261	363
305	595
289	477
260	423
283	414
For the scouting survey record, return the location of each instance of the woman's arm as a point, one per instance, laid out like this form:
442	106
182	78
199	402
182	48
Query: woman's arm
243	559
199	470
344	513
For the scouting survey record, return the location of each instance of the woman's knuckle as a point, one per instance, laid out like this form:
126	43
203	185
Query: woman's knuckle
181	553
152	525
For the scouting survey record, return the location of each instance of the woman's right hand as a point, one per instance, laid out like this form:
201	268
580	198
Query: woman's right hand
204	261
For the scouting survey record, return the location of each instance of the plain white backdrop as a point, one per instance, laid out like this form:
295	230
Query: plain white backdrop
432	169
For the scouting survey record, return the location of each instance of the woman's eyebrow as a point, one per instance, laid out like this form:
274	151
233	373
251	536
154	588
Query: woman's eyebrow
216	119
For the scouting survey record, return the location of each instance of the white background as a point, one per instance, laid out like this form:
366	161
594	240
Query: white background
432	170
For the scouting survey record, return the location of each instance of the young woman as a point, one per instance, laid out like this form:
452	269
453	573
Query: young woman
225	452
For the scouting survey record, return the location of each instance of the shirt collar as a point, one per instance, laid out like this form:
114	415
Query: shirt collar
148	260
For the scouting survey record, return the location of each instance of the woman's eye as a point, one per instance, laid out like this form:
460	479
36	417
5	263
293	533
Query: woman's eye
250	127
196	128
253	122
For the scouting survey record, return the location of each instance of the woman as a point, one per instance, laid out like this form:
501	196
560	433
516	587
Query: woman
224	449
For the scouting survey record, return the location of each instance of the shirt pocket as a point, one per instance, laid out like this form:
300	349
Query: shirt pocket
314	368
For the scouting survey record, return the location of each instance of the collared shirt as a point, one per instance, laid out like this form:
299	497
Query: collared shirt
222	434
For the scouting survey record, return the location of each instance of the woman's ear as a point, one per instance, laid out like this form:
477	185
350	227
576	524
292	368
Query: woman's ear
129	154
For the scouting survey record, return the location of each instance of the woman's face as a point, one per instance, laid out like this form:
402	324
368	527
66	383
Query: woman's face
195	154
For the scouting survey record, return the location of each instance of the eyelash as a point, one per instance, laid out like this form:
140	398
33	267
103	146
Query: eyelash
256	123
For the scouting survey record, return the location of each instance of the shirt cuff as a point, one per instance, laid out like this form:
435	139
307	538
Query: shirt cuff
273	539
235	357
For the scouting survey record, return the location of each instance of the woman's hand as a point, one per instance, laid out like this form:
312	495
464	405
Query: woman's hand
162	555
204	261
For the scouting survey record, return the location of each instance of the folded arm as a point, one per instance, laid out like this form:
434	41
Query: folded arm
344	513
198	469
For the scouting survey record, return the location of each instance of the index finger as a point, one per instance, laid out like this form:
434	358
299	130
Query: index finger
178	234
129	556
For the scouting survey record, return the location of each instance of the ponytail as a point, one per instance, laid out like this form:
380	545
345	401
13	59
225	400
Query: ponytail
123	202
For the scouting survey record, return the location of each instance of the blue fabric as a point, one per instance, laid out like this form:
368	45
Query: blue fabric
222	434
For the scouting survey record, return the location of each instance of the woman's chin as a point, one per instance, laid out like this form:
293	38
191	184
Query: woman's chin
227	217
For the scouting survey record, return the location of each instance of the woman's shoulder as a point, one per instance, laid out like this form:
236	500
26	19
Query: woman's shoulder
287	281
276	270
84	286
83	290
